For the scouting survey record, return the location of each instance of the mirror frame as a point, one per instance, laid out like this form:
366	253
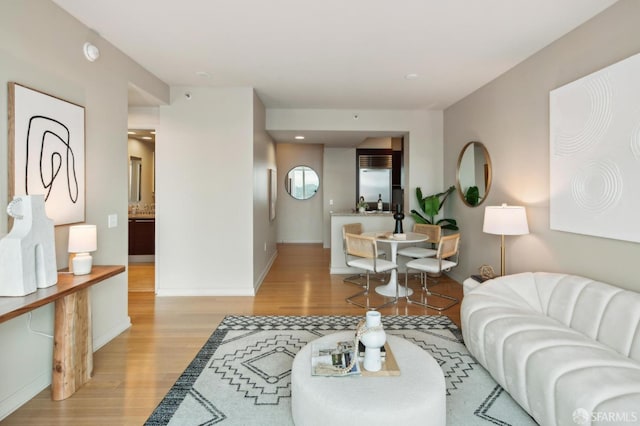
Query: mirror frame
287	186
488	172
135	179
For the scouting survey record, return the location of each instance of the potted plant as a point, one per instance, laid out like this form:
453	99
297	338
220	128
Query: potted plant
431	206
362	205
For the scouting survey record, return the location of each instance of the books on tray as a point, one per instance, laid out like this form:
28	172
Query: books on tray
333	359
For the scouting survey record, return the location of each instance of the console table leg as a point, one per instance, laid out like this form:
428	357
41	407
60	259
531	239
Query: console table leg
72	344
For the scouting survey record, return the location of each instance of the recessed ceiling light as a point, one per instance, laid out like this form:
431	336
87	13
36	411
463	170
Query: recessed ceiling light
131	132
411	76
153	132
148	138
203	74
299	137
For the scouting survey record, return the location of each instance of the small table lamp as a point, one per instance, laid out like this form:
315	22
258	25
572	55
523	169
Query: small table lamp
82	241
505	220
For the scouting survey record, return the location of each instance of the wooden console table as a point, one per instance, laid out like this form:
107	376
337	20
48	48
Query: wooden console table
73	339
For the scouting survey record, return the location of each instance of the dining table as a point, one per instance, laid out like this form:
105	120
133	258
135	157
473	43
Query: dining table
389	289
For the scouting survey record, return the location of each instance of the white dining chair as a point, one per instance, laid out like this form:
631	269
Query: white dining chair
434	233
362	252
445	259
355	228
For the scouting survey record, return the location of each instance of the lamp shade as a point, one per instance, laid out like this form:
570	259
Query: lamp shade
505	220
82	239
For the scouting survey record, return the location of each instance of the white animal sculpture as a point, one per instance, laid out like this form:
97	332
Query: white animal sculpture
27	253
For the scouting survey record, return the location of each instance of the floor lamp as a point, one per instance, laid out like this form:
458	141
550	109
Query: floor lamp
505	220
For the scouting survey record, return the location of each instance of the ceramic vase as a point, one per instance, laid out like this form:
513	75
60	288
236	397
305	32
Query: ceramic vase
373	339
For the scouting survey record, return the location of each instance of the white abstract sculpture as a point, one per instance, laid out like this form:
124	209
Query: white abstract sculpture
27	253
373	338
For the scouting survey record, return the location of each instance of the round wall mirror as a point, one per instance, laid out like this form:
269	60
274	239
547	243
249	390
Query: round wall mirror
474	174
302	182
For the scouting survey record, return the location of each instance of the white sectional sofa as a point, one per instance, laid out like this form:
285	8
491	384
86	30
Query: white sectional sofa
566	348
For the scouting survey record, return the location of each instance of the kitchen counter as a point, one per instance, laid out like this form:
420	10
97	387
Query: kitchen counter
368	213
142	216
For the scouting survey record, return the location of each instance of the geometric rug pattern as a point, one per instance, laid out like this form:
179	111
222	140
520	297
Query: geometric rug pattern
242	375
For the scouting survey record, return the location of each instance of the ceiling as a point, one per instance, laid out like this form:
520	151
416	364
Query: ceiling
143	135
333	54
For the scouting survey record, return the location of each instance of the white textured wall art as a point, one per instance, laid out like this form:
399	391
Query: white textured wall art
595	153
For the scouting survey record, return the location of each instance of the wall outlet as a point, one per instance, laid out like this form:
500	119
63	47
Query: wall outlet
330	202
112	220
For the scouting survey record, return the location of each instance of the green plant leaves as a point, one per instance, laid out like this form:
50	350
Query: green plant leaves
472	196
431	205
418	218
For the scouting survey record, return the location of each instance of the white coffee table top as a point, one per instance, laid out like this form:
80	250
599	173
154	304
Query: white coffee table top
415	396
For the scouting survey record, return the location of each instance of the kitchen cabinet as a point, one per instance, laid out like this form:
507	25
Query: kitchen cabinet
142	236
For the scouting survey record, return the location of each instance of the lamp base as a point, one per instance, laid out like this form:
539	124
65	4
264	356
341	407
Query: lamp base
503	264
81	264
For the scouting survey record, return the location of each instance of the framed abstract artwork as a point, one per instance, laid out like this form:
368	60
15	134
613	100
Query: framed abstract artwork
273	192
47	152
595	153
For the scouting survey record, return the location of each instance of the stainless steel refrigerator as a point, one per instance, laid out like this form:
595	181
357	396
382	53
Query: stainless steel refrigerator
375	182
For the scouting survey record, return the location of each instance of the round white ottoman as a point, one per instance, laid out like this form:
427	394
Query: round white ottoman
416	396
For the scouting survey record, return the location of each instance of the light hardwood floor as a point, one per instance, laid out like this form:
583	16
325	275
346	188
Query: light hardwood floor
135	370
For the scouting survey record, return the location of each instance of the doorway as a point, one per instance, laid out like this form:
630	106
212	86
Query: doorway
141	211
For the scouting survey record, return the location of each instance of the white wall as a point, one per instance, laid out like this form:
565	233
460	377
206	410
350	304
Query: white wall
299	221
423	145
511	117
264	229
339	185
204	193
144	117
41	47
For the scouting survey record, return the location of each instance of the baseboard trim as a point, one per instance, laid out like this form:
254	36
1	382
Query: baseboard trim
264	273
142	258
188	292
24	395
41	382
344	270
112	334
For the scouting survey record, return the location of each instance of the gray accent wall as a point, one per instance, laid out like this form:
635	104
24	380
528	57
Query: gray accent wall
510	116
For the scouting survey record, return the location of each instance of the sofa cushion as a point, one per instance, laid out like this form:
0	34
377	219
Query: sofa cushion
575	375
620	324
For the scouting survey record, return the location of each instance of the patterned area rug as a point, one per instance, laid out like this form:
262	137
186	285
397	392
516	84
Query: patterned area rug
241	376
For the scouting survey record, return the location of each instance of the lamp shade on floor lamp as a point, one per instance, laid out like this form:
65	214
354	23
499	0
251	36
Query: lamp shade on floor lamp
505	220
